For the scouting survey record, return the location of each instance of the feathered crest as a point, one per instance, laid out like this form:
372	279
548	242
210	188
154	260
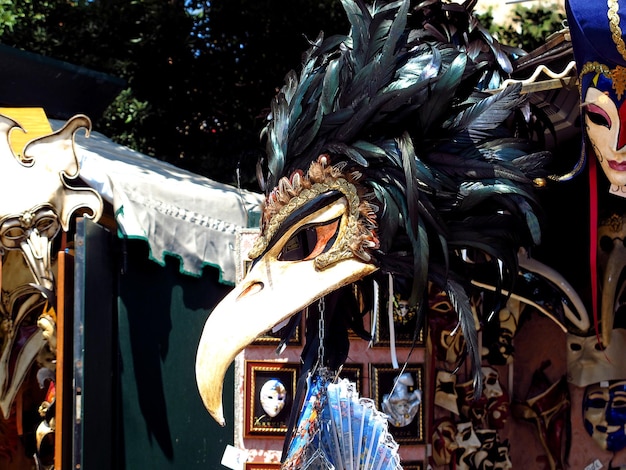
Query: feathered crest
402	106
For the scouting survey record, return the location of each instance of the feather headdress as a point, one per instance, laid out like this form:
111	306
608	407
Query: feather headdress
435	155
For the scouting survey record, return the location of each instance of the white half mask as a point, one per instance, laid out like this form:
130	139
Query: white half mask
466	437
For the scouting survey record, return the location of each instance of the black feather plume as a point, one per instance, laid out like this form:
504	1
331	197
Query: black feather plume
401	100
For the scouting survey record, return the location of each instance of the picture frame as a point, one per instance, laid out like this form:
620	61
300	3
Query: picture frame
262	466
412	465
400	403
404	323
244	241
354	373
273	338
269	390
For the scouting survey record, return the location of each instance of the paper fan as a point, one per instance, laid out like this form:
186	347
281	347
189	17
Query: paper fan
339	430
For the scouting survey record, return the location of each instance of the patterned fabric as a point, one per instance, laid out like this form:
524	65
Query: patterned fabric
339	430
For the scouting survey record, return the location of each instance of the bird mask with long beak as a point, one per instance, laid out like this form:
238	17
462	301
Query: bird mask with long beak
382	160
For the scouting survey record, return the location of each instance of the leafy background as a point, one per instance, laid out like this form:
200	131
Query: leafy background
200	74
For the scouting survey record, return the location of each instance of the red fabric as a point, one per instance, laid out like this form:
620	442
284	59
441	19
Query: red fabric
593	240
621	139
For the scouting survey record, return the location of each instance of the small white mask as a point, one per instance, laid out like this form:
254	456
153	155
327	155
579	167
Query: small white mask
273	396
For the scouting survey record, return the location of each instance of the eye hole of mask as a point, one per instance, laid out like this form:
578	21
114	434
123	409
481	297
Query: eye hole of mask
598	116
576	347
310	241
606	244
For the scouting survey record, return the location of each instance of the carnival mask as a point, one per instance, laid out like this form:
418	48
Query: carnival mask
589	361
607	134
402	311
402	404
611	264
444	441
447	338
492	453
316	232
600	53
31	216
445	392
466	437
498	411
468	441
273	396
604	414
501	460
482	458
491	381
470	407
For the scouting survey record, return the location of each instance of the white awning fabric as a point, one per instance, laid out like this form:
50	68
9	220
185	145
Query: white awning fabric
177	212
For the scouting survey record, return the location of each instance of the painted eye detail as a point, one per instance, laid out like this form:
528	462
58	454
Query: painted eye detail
598	116
310	241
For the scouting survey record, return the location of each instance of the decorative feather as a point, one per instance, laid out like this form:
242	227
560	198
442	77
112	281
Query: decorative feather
461	303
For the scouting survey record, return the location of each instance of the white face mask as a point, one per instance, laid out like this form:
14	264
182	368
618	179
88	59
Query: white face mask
467	440
491	379
604	417
273	396
603	125
466	437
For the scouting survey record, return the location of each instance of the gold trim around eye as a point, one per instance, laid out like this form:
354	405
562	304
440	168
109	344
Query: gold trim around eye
349	240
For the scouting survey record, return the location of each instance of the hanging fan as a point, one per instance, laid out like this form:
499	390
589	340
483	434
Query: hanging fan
338	430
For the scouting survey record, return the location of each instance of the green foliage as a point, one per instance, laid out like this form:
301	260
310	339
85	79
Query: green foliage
200	73
528	28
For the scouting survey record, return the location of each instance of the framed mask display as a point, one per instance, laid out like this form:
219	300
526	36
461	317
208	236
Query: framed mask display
274	337
398	394
269	391
403	322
